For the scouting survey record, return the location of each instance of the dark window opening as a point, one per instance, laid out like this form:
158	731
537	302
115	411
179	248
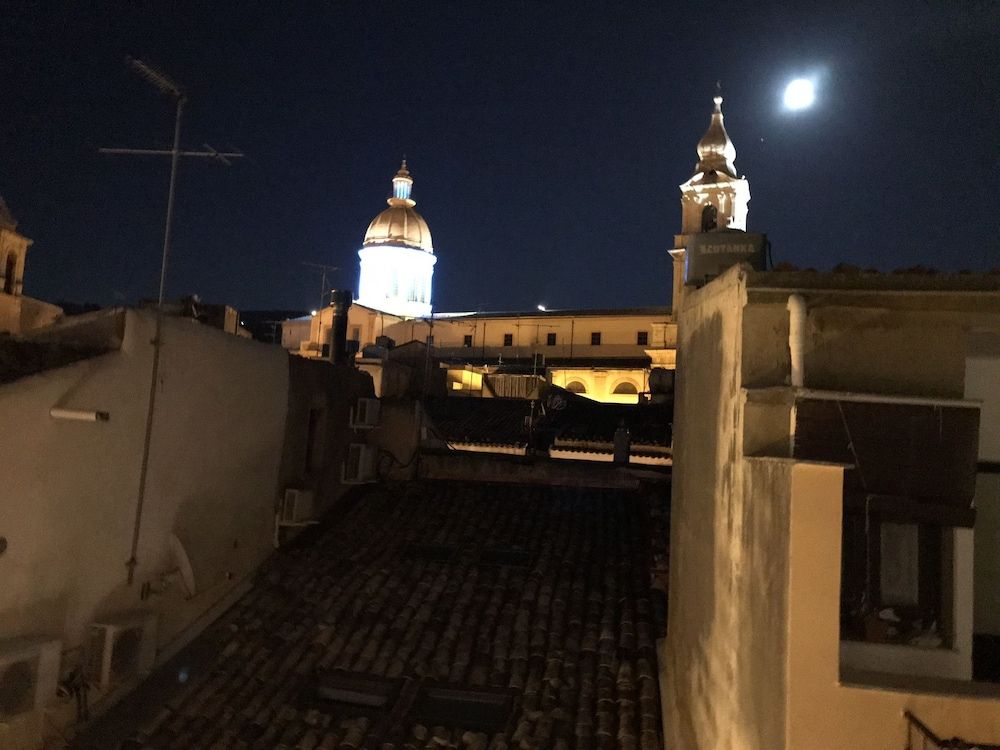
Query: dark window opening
626	388
550	339
508	339
895	581
595	338
709	218
642	338
467	341
9	273
314	440
575	386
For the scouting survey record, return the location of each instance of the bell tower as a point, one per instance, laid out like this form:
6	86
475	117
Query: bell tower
715	197
13	248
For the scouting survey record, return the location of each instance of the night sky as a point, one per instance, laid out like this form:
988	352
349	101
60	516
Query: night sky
546	141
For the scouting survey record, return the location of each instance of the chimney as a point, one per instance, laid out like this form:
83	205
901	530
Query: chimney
340	301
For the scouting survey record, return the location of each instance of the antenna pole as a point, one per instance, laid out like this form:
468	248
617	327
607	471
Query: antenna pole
324	269
169	87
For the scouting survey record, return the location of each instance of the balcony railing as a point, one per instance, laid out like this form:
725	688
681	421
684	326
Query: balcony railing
920	737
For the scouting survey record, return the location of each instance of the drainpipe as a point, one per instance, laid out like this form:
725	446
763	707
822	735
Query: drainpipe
797	338
79	415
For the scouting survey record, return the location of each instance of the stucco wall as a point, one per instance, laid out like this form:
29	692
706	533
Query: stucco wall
70	487
726	569
845	348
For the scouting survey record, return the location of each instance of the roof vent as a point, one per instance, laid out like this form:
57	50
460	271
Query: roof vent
479	710
360	690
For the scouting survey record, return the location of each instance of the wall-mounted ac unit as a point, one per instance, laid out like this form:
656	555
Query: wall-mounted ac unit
365	415
29	676
121	648
359	467
296	506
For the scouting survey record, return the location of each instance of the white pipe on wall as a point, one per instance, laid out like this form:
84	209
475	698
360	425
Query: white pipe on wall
797	338
79	415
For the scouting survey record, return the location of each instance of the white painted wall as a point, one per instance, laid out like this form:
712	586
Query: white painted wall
69	488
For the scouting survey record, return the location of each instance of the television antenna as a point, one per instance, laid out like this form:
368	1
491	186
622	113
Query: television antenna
172	89
325	270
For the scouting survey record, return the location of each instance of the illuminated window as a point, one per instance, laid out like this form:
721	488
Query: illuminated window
595	338
550	339
642	338
467	341
575	386
625	389
508	339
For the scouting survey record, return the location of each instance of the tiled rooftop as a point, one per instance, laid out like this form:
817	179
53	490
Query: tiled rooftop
560	415
439	615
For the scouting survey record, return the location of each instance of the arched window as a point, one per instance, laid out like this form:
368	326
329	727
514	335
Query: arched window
575	386
625	388
9	272
709	218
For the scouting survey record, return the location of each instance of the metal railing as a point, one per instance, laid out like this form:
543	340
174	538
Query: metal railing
920	737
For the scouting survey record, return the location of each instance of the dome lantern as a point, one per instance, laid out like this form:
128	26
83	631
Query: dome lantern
402	183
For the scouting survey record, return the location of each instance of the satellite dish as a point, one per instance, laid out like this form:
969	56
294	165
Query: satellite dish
182	564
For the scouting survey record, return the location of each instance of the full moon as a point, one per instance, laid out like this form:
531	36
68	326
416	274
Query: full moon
799	94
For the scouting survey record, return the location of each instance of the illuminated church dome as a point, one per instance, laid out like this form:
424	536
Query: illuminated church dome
400	224
716	152
397	256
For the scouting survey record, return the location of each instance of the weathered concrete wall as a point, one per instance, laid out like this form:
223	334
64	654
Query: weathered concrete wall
845	349
70	487
726	560
752	657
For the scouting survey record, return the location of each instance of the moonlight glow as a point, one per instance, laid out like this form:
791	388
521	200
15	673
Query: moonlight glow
799	94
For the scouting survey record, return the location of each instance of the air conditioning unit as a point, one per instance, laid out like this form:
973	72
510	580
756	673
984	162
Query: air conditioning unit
365	415
359	467
29	676
296	506
121	648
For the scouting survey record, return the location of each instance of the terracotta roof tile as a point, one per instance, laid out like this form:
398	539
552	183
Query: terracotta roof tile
455	600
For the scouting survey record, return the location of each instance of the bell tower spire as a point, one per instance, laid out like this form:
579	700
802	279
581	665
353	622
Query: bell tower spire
715	197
